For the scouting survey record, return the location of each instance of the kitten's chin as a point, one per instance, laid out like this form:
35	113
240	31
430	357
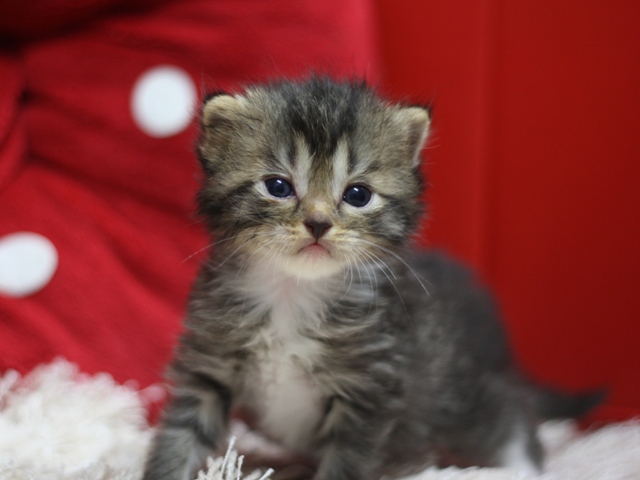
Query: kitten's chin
311	263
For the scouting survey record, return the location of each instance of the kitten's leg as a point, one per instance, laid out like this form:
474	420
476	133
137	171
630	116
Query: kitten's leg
522	451
352	436
194	423
496	428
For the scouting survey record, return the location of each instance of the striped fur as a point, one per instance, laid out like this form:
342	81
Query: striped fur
356	352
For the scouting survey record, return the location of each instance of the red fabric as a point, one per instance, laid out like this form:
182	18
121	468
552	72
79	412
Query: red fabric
117	203
534	170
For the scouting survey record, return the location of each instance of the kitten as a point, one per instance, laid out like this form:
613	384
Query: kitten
313	314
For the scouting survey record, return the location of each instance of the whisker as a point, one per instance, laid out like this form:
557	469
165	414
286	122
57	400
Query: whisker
221	241
261	246
390	252
371	255
348	271
373	278
279	253
344	277
230	255
350	275
374	297
374	291
355	262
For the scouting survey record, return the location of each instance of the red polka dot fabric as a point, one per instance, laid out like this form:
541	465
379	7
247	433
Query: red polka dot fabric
97	130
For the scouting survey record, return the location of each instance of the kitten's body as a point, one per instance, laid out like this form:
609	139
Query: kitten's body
312	315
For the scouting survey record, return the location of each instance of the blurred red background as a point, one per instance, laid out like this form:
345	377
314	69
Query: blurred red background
533	163
534	167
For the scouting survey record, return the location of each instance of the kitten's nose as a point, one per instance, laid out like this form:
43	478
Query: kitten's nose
317	228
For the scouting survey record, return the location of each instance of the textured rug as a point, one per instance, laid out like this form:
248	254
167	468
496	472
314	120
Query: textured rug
57	423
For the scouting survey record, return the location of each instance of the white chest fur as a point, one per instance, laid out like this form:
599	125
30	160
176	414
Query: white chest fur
281	389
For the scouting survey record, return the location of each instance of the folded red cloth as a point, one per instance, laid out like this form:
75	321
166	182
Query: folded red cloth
88	161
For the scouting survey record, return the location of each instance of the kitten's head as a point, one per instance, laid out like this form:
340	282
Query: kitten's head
311	177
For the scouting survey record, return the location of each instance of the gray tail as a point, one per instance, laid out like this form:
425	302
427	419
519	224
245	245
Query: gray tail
554	404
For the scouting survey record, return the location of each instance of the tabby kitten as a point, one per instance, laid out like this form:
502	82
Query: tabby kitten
313	314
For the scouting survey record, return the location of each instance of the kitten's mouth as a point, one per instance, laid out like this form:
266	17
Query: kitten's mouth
315	250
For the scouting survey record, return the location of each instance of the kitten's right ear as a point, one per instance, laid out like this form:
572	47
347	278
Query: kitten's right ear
218	124
219	108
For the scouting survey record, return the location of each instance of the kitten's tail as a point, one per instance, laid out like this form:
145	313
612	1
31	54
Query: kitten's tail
554	404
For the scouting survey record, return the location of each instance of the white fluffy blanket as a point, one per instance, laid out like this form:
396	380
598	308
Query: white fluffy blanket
57	423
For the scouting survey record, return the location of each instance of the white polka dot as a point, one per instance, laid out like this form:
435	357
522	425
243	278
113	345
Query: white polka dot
27	263
163	101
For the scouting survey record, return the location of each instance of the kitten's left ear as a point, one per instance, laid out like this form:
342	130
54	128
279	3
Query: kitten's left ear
414	122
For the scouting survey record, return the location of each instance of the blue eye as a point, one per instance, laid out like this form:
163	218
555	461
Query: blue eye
278	187
357	195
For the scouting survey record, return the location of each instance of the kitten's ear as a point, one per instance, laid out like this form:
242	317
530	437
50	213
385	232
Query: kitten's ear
218	127
218	110
414	122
